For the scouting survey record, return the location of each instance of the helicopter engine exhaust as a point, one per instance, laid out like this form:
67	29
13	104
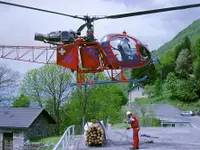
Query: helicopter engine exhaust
57	36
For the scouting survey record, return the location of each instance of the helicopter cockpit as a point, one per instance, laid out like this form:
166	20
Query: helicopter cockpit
125	48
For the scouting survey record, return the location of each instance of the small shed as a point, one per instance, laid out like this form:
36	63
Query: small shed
136	91
17	125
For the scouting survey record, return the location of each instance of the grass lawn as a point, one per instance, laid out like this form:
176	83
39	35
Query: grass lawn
183	106
53	139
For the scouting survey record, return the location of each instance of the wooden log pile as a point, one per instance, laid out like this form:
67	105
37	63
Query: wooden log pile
95	135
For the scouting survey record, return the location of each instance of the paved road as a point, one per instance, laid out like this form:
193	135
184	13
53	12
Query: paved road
156	109
185	138
161	111
195	121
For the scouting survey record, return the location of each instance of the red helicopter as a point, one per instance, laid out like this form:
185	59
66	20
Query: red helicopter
113	52
85	54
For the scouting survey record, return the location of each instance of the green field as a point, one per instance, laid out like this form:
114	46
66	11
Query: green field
53	139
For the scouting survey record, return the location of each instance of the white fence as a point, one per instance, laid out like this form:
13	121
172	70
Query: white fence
65	139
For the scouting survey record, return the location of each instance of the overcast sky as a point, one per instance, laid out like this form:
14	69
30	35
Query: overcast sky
18	26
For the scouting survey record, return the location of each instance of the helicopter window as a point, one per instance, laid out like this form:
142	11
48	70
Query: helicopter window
106	37
145	54
124	48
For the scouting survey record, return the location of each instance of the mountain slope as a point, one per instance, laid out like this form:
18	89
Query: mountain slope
192	31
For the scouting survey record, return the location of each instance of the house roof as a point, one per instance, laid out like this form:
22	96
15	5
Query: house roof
21	117
133	87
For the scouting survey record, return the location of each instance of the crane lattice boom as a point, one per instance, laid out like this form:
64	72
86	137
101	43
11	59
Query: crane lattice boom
36	54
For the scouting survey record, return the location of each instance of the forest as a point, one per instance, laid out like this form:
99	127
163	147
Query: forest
177	74
175	79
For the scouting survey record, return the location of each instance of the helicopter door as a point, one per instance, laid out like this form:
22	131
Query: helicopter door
110	55
90	58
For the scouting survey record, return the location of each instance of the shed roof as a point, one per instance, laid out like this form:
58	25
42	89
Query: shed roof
133	87
21	117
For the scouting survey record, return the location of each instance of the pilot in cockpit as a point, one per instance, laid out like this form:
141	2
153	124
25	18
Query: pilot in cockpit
127	52
125	49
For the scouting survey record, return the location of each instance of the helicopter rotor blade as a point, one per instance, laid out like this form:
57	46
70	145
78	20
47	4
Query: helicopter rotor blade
153	11
43	10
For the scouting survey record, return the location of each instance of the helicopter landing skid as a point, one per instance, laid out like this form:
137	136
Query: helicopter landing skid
110	82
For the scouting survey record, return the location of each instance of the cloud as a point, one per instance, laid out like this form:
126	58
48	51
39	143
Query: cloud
19	25
175	20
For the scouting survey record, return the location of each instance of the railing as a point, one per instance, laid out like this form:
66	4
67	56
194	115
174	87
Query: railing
65	139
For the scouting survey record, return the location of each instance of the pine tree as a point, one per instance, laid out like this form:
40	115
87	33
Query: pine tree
197	47
186	44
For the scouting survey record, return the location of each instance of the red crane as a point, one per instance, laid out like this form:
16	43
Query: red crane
35	54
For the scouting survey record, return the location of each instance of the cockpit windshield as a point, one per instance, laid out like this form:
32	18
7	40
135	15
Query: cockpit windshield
124	48
106	37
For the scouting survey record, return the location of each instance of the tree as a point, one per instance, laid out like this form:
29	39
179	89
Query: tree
186	44
196	68
170	85
186	90
50	85
154	90
182	89
93	100
22	101
168	62
103	102
196	72
197	47
169	57
166	69
184	63
9	81
106	101
30	87
176	50
148	70
83	94
158	87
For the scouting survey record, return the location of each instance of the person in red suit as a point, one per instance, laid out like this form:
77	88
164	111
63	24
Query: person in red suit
134	124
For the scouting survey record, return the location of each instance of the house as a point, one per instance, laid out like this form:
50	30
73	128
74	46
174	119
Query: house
17	125
137	91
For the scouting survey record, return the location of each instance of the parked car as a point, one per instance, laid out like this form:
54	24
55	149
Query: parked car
187	113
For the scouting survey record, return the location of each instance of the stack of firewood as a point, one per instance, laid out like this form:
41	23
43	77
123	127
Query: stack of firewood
95	135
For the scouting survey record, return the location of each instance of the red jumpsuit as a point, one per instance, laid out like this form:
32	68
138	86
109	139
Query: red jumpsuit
135	125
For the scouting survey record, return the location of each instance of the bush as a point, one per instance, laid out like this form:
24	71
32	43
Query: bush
147	121
156	122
